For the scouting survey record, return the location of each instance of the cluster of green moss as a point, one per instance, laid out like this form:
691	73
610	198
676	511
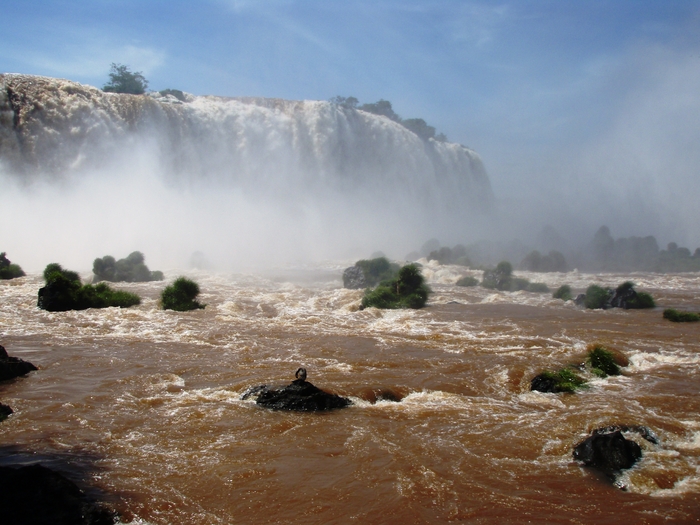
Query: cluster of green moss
64	291
181	296
502	278
680	317
132	269
407	290
563	380
601	361
9	270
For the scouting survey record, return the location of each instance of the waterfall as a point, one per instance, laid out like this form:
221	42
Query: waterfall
313	156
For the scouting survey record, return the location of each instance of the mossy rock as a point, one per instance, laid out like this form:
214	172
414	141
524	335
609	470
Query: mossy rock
680	317
598	297
407	290
181	296
564	380
602	361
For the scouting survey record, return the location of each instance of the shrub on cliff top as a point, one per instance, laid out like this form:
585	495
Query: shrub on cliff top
122	80
180	296
407	290
63	291
9	270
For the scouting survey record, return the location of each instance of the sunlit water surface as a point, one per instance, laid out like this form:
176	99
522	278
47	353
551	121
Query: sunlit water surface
143	406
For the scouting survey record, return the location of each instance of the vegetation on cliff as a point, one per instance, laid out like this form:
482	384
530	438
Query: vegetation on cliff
407	290
122	80
131	269
181	296
63	291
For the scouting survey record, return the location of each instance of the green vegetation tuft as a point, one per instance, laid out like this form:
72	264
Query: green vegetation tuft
597	297
499	278
680	317
641	300
122	80
602	362
407	290
377	270
9	270
180	296
63	291
537	288
467	281
563	293
564	380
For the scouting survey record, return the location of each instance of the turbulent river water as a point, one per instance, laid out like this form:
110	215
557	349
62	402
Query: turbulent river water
143	406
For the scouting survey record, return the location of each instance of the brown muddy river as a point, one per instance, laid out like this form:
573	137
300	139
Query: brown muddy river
143	407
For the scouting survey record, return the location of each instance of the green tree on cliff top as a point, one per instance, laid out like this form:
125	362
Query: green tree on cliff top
121	80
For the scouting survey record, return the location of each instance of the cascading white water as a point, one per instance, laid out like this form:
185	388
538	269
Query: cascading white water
332	172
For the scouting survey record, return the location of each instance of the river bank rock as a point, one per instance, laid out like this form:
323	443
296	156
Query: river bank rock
607	450
37	495
11	367
5	411
299	395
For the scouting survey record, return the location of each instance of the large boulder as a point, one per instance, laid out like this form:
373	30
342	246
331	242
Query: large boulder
354	278
607	450
11	367
5	411
39	496
299	395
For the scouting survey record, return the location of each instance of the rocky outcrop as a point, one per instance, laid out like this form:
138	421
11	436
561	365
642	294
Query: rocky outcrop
39	496
299	395
11	367
4	411
354	278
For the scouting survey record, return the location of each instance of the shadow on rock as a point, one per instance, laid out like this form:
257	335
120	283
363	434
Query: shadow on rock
299	395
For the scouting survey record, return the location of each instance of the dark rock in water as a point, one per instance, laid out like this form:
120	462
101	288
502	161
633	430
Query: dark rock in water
354	278
299	395
608	450
4	411
37	495
544	383
580	299
11	367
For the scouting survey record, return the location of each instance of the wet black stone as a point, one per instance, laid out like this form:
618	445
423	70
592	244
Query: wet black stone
300	395
608	451
11	367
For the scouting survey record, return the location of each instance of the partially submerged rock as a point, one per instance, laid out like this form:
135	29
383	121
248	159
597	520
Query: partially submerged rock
5	411
607	449
38	495
11	367
299	395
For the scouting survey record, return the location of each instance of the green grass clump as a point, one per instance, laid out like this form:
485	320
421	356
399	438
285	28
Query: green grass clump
680	317
407	290
563	293
597	297
602	362
180	296
63	291
467	281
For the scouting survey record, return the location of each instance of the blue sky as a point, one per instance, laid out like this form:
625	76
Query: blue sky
558	97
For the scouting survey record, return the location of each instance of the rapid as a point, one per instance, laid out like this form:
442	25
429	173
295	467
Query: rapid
143	406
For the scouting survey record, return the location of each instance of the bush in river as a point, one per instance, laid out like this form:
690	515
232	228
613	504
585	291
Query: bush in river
63	291
563	293
680	317
9	270
564	380
180	296
597	297
131	269
407	290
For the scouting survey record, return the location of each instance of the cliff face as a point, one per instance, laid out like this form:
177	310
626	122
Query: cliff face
56	128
